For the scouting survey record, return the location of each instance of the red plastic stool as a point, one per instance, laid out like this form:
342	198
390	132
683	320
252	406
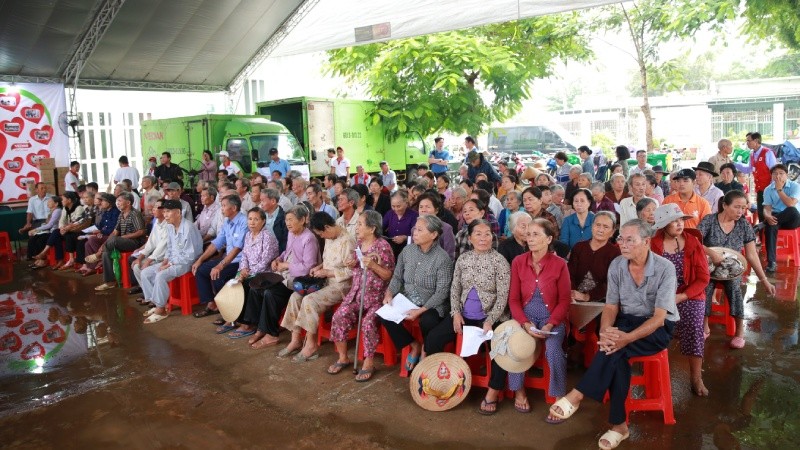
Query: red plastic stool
543	382
183	293
5	246
124	268
385	348
51	257
590	341
788	246
6	272
721	311
324	327
413	327
658	390
480	365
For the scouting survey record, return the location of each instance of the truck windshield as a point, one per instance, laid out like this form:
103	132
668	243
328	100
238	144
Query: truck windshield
525	139
288	147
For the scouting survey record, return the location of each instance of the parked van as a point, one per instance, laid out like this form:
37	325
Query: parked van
527	138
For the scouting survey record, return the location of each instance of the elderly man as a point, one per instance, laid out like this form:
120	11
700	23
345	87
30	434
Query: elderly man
283	200
211	274
227	165
637	320
154	249
637	185
346	203
687	199
173	191
243	190
780	210
389	177
128	235
314	196
723	156
361	176
150	193
183	246
298	192
641	163
210	218
572	185
276	217
37	209
705	185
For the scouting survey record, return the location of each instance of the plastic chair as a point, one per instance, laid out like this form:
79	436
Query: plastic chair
6	272
413	327
788	246
542	382
324	327
721	311
590	341
385	348
183	293
480	365
124	269
658	390
5	246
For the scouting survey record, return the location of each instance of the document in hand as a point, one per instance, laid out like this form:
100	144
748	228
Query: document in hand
472	339
397	309
91	229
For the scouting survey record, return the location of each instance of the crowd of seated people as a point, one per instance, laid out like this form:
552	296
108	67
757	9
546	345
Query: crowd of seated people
472	250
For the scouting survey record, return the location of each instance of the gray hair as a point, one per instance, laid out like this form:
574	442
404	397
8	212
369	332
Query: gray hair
295	174
459	192
126	196
432	223
299	211
234	201
245	182
644	203
599	185
212	191
586	175
555	188
608	215
352	196
644	229
516	194
150	178
575	168
617	175
374	220
203	184
634	176
278	184
514	218
273	194
724	143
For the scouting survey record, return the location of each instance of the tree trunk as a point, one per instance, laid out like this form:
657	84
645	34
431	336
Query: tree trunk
648	117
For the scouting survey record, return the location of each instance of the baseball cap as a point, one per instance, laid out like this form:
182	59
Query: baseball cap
273	151
224	153
173	186
685	173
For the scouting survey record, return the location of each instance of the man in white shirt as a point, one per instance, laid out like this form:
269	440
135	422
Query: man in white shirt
243	190
227	165
389	177
637	184
126	172
71	180
340	165
208	220
156	246
705	185
641	163
37	209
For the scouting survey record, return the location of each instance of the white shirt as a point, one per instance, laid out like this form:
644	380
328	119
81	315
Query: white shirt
712	196
627	210
156	245
137	200
390	179
127	173
231	168
38	207
69	179
637	169
495	206
341	167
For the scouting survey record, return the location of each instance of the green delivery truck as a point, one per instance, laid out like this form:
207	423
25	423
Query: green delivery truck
246	138
320	124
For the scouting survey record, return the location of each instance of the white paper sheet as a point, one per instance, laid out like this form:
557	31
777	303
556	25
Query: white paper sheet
536	330
472	338
396	311
91	229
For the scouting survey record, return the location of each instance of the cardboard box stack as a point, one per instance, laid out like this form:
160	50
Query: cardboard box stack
47	167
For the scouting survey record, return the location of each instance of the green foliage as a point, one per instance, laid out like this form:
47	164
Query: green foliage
684	73
774	420
774	19
605	141
459	81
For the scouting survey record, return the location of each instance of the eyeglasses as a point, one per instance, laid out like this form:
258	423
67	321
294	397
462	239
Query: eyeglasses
627	242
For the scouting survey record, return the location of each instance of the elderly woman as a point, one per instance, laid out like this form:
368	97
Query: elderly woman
513	204
683	248
618	190
260	249
106	221
646	210
478	298
423	274
398	222
429	204
72	219
37	243
728	228
589	260
378	265
539	299
601	202
532	202
265	306
73	246
303	312
518	244
727	182
578	227
474	209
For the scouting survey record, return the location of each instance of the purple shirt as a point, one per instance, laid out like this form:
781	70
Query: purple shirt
393	226
302	252
473	309
258	253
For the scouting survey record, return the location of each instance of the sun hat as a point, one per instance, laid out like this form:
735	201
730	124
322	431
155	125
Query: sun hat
530	173
581	313
230	301
732	265
706	166
513	348
440	382
666	214
540	165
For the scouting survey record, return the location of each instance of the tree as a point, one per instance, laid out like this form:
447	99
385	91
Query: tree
652	23
777	19
459	81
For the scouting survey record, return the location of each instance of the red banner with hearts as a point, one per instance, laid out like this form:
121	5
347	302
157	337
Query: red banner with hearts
33	125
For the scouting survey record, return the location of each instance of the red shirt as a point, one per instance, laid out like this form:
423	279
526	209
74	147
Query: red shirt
553	282
695	267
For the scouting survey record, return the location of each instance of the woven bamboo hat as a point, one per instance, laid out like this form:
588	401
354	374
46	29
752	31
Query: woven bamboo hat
230	301
440	382
512	348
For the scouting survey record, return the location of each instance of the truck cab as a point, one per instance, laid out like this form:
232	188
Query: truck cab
248	141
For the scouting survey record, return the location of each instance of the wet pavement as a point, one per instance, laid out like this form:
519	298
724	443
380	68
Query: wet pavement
79	370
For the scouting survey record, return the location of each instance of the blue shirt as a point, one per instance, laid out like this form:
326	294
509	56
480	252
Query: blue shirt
108	221
771	198
184	245
281	166
232	235
440	168
571	231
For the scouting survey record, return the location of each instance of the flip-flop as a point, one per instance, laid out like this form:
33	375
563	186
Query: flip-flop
153	318
555	421
219	322
337	367
487	412
238	334
366	373
262	343
149	312
521	409
301	358
205	313
411	362
224	328
286	352
737	342
104	287
614	439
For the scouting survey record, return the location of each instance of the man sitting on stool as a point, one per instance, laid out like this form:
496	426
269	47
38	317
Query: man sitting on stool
183	245
780	210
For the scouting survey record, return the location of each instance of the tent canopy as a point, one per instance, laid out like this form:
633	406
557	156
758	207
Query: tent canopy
215	44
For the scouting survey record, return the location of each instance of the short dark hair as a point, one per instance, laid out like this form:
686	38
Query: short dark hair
534	191
445	178
475	223
468	182
331	177
437	139
362	190
486	186
93	185
233	200
470	139
123	159
422	166
435	200
560	155
754	135
74	163
258	211
778	166
731	166
167	154
622	152
320	220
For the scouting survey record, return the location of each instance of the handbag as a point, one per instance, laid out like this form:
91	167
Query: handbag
265	280
306	285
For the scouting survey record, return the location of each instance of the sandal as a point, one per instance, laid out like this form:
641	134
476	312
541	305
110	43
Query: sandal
567	408
238	334
301	358
613	438
256	337
337	367
205	313
365	375
411	362
263	343
105	287
737	342
153	318
524	409
485	405
224	328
